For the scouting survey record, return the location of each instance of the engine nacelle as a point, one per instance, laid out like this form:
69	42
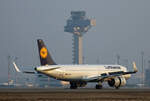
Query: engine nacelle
117	82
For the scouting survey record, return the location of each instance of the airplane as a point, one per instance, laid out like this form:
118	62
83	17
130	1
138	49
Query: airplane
80	75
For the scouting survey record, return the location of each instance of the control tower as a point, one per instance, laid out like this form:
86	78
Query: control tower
78	24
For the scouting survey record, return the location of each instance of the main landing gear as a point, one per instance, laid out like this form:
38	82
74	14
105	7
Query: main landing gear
73	85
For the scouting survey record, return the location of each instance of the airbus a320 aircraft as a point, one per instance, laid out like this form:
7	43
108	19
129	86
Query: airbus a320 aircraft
80	75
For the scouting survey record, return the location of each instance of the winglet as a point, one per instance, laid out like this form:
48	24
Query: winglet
16	68
134	67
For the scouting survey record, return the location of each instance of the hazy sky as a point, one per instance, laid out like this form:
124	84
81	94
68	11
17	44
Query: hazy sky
122	27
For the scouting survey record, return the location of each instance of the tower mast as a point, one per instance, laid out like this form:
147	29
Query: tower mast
78	25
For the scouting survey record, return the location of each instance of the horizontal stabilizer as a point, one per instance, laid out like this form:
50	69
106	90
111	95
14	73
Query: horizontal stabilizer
29	72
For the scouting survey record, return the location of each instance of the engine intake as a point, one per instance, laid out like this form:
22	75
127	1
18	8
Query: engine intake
117	82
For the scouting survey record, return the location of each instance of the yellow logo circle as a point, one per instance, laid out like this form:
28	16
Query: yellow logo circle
43	52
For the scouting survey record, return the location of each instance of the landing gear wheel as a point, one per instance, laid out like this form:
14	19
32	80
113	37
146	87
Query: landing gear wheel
98	86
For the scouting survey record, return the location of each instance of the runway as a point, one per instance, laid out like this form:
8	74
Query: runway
85	94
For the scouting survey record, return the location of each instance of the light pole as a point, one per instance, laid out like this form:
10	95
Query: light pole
8	69
142	56
118	59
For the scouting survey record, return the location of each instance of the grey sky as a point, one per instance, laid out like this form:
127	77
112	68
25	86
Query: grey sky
122	27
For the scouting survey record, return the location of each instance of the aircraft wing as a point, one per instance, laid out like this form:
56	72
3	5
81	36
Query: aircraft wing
105	77
18	70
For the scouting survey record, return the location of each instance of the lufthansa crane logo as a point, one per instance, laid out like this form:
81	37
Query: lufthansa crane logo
43	52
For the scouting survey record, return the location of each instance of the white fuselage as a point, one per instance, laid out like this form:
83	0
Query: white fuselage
79	72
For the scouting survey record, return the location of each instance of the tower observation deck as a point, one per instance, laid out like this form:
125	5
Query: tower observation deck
78	24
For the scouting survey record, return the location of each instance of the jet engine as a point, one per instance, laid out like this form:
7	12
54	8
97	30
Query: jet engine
117	82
